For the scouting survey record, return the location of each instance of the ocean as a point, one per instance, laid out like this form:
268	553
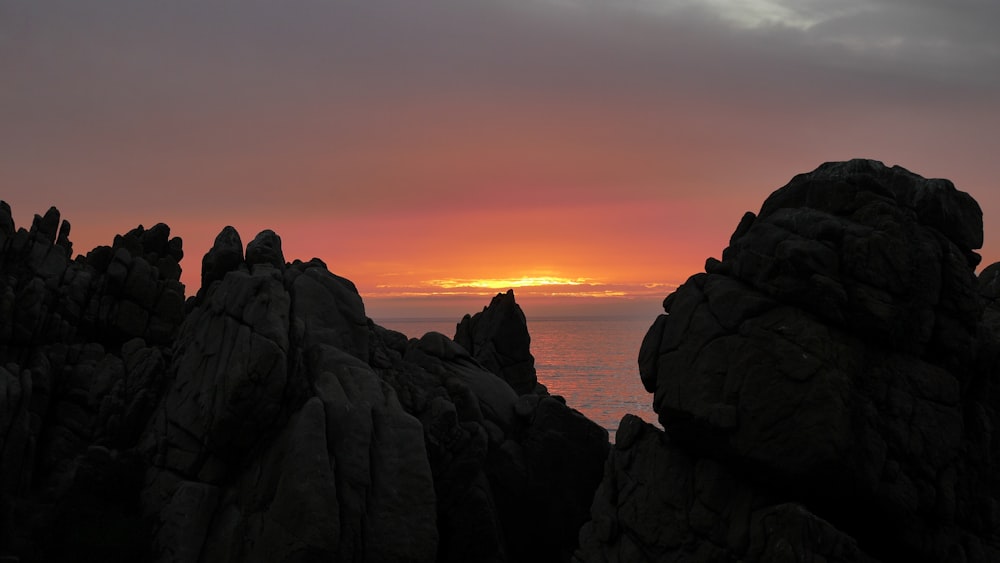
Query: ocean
589	361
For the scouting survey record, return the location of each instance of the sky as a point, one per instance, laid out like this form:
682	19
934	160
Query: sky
589	154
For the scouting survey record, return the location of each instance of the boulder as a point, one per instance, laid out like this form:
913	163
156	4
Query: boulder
265	248
838	357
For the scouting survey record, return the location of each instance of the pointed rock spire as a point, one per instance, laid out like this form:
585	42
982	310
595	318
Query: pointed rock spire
225	256
498	338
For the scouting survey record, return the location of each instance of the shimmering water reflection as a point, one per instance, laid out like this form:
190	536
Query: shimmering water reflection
591	362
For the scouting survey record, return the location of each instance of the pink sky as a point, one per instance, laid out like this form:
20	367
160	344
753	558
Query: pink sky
408	144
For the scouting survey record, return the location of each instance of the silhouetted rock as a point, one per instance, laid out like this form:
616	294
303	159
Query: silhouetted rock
265	248
514	475
276	429
6	222
225	256
266	419
82	349
828	391
836	358
498	338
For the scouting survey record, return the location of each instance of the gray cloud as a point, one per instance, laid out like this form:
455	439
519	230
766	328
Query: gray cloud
956	39
190	50
171	90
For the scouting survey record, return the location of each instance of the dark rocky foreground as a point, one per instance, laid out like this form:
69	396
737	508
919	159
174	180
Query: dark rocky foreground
266	419
829	391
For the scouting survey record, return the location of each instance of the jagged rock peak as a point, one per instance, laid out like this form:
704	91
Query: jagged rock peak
46	228
153	243
498	338
6	220
225	256
47	225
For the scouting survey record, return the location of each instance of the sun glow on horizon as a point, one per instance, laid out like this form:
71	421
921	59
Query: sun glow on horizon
536	286
506	283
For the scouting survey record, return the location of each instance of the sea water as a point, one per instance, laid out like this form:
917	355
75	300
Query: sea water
591	362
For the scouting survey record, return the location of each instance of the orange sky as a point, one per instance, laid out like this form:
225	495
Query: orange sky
412	144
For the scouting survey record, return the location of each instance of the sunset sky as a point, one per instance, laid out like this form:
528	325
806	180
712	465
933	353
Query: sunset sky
424	148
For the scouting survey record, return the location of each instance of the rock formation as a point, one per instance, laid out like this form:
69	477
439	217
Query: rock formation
829	389
266	419
83	354
496	338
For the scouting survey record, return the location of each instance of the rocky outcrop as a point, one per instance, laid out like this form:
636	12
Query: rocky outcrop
828	389
514	474
276	433
496	338
128	290
265	419
83	348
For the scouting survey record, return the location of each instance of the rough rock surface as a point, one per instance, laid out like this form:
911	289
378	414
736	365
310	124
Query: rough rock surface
83	354
265	419
660	503
514	474
829	389
278	434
